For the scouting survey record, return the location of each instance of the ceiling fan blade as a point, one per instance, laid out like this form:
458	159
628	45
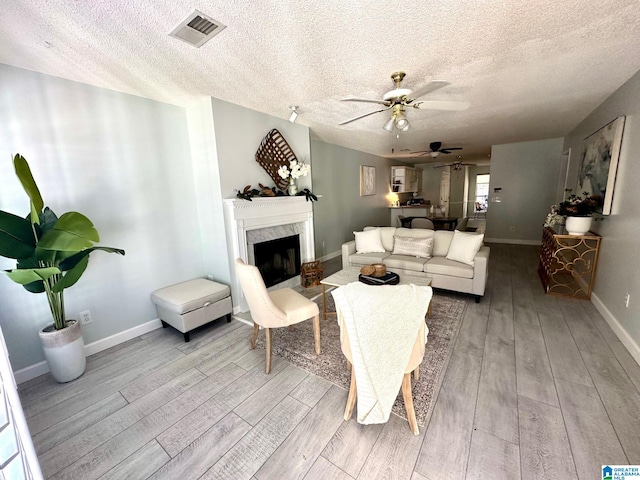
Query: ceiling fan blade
441	105
362	116
428	88
453	148
365	100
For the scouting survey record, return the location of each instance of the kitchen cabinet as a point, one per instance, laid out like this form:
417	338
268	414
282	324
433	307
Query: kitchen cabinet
406	179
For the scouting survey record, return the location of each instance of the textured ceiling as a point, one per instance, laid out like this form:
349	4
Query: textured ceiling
530	69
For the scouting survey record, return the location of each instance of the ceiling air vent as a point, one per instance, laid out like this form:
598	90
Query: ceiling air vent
197	29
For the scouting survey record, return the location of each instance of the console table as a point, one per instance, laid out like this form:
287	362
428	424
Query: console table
568	263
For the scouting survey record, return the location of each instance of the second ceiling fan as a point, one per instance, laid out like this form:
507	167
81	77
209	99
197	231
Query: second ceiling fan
398	99
435	149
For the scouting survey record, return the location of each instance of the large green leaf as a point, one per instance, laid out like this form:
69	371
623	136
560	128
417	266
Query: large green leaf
30	275
72	232
28	183
72	276
72	261
35	287
16	236
47	219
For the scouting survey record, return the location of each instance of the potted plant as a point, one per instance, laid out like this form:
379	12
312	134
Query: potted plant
577	210
52	253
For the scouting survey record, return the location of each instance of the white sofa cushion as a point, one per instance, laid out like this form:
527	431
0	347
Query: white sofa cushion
464	246
413	247
442	266
368	258
441	242
405	262
386	236
369	241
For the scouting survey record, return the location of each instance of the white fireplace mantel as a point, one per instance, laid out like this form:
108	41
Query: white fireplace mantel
262	213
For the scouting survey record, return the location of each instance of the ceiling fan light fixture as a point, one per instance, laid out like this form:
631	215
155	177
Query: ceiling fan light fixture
402	123
388	126
434	154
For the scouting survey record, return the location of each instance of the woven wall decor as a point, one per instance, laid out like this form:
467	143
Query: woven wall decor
274	152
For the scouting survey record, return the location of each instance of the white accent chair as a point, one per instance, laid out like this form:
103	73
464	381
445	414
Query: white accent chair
413	366
275	309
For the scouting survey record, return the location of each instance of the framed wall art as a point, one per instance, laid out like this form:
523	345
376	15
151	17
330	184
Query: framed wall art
367	180
599	163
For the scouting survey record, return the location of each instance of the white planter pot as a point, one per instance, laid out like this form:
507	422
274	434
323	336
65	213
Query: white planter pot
578	225
64	351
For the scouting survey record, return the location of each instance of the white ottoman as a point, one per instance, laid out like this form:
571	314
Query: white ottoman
190	304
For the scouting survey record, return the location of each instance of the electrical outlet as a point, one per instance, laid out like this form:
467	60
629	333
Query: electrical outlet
627	297
85	317
210	277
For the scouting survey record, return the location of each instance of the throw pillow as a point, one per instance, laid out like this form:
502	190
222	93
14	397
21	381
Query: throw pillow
414	247
464	246
369	241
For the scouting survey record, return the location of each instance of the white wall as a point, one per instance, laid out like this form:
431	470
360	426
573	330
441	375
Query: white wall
123	161
528	173
341	210
617	272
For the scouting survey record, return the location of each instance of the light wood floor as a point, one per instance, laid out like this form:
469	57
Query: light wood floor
537	387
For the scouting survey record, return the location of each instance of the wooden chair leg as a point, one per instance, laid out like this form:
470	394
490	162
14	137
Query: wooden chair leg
351	399
416	373
316	332
408	403
256	328
268	348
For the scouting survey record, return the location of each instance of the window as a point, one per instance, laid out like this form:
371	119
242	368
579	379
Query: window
482	192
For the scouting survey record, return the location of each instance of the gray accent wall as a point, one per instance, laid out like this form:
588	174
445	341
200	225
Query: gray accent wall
618	272
341	210
122	160
527	173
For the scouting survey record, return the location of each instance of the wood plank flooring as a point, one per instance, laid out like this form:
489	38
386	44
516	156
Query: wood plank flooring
537	387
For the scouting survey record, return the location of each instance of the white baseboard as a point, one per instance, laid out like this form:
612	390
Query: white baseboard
32	371
121	337
41	368
617	328
329	256
512	241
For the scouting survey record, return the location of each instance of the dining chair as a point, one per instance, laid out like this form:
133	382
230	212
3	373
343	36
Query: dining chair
274	309
422	223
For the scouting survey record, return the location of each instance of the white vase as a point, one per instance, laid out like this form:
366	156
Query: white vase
293	187
578	225
64	351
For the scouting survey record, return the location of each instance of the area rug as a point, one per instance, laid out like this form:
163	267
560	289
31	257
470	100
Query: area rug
296	345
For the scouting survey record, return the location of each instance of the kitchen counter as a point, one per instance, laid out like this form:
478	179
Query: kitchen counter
411	206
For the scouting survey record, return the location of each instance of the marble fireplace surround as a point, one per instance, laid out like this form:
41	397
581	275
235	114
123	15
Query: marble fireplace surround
265	219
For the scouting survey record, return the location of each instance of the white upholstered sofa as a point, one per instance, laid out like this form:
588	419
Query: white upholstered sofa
466	276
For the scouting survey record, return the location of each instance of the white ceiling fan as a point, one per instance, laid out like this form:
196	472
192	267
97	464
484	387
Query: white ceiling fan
398	99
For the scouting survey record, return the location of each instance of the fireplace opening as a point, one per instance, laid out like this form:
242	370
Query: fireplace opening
278	260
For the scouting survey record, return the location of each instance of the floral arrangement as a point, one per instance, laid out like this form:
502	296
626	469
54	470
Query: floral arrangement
573	206
295	170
